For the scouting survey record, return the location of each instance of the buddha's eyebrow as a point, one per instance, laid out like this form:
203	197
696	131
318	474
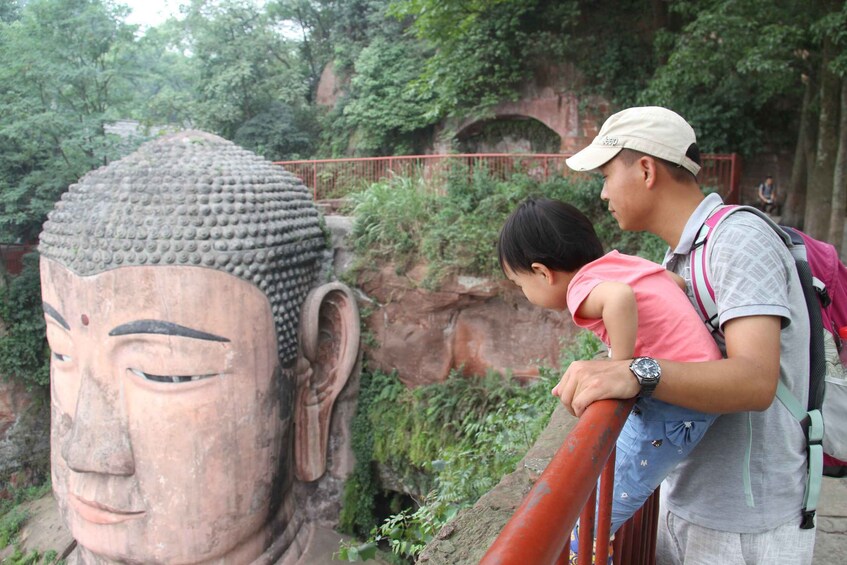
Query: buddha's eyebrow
162	328
53	313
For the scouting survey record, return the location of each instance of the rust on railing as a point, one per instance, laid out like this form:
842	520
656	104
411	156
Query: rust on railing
335	178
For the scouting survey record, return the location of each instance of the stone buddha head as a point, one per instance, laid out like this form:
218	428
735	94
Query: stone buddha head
196	357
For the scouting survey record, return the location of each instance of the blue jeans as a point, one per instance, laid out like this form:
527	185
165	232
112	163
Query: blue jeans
654	439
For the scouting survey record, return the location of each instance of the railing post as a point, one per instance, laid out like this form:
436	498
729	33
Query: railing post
735	179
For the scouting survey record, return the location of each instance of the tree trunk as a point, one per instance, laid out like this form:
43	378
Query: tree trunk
794	201
839	178
819	191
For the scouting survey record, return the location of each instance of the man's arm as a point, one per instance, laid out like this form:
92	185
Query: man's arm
745	380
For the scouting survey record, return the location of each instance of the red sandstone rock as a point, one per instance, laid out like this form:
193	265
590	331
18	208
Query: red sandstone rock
473	324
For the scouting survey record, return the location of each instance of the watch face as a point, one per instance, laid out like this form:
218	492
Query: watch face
646	368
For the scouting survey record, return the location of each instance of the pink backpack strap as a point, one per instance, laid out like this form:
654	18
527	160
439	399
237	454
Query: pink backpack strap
704	294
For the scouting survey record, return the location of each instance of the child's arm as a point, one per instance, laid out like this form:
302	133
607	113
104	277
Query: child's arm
614	303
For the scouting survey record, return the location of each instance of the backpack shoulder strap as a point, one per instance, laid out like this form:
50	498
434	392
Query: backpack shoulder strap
809	417
704	293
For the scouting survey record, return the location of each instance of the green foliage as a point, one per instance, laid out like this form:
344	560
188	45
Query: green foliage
64	70
245	63
402	220
314	19
458	437
34	557
279	133
384	107
734	71
390	218
13	516
480	56
833	26
10	524
23	348
165	79
357	513
461	435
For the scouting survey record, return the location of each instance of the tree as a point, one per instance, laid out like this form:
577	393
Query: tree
165	78
279	133
733	71
64	75
245	64
384	106
312	21
746	73
835	26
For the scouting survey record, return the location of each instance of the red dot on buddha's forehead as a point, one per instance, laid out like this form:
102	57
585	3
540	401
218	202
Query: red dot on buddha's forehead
84	319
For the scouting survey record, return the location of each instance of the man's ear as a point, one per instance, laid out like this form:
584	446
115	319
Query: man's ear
648	167
329	347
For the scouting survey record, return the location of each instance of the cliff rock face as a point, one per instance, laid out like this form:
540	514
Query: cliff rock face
24	433
470	324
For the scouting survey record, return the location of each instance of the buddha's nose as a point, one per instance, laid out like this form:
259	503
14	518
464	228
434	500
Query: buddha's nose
99	440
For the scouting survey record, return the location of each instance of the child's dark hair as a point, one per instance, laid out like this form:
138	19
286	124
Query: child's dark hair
550	232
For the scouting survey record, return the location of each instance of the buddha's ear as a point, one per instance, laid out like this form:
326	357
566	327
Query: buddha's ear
329	347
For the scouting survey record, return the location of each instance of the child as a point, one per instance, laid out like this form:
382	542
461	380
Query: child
637	308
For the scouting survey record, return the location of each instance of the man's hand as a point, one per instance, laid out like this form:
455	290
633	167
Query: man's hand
587	381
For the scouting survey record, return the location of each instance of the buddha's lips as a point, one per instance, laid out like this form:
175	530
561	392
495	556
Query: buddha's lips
99	513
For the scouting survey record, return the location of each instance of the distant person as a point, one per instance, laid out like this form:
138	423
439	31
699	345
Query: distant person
549	249
738	498
767	196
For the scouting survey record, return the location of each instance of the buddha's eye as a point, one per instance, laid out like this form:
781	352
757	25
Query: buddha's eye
170	378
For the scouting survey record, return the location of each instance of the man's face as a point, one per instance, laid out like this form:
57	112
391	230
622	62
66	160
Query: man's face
166	425
621	183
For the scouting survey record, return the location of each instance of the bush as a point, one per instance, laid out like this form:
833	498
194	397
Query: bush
462	436
404	221
23	349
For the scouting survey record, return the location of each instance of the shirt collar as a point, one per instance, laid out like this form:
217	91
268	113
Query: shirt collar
692	226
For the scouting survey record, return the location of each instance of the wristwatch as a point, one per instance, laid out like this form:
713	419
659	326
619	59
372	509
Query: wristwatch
647	372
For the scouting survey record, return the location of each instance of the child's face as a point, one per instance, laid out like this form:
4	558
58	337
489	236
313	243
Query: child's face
542	286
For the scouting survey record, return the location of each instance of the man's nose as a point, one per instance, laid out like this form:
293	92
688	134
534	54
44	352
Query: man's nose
603	195
99	439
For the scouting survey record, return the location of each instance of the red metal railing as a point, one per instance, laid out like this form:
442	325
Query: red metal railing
12	255
539	531
335	178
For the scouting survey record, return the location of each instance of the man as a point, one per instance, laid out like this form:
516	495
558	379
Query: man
195	358
737	499
766	194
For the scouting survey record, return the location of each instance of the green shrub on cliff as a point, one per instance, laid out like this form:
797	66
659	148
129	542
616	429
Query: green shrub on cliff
23	347
404	221
450	443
